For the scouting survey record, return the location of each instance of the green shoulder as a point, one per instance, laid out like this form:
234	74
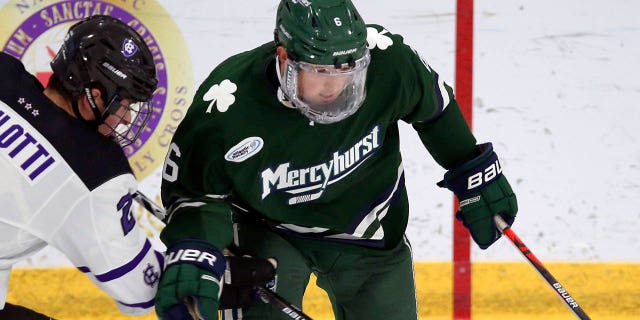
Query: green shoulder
221	88
422	92
229	90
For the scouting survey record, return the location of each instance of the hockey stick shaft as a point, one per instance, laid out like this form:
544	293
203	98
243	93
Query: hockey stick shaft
281	304
568	300
149	205
265	294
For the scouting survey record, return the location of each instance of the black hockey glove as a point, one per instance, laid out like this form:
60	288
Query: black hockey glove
483	191
243	274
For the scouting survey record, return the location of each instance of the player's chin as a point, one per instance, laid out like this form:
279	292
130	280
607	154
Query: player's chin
105	130
108	131
326	99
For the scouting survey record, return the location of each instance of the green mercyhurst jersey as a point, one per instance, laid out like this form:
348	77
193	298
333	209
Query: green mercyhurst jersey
336	182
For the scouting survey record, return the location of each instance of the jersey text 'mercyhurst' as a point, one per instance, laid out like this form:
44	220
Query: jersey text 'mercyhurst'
340	162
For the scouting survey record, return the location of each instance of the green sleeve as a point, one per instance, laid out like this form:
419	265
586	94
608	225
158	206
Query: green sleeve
209	223
447	138
434	113
195	184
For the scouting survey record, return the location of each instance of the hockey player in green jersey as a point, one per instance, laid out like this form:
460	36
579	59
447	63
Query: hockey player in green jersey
291	151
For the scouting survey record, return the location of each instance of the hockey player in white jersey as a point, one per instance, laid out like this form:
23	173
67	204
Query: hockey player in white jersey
65	179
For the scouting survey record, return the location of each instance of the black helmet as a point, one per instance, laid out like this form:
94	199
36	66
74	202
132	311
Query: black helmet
103	52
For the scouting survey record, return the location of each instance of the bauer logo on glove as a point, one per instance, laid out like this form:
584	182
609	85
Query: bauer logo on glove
482	177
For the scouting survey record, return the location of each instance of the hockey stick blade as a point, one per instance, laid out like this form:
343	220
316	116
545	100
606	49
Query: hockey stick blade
568	300
281	304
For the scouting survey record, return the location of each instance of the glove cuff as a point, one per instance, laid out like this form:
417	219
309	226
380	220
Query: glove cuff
197	252
474	174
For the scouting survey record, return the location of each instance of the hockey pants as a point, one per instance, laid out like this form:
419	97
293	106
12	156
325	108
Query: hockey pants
359	286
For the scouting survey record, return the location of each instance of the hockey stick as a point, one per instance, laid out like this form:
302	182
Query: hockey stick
280	303
265	294
149	205
571	303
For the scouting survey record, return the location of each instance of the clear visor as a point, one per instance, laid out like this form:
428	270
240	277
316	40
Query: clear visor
125	120
326	93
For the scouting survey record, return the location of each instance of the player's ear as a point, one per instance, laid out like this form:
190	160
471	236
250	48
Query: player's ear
281	52
96	93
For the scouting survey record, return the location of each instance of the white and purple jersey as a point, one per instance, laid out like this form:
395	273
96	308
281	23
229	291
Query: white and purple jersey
64	184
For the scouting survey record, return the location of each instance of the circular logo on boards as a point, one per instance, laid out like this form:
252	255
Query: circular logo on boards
33	31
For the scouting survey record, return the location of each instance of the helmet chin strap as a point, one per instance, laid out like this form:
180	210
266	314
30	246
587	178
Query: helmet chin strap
282	96
94	108
278	70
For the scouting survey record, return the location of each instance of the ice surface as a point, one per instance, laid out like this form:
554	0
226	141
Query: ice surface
555	89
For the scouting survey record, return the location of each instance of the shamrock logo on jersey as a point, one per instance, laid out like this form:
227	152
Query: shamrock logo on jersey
377	39
222	94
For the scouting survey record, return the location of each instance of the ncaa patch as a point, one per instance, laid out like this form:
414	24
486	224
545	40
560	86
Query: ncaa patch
244	150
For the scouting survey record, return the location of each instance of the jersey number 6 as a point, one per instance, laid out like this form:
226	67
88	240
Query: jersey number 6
170	169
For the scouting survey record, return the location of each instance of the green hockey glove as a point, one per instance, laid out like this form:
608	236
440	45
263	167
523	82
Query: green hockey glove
483	191
190	285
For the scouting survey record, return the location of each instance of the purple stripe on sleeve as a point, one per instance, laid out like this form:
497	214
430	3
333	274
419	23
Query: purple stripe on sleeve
84	269
143	305
121	271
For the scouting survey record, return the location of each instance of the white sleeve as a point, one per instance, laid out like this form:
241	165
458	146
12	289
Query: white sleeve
102	239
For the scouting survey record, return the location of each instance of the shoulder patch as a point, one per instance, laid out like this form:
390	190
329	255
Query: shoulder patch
221	93
244	150
378	39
